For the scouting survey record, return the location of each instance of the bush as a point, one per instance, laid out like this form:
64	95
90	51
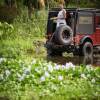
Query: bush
6	31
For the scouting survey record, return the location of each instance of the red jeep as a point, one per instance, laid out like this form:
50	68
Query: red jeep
80	36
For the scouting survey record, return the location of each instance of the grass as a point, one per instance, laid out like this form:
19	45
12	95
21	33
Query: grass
24	37
19	48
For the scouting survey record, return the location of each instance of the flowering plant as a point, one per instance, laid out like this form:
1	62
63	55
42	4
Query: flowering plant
47	78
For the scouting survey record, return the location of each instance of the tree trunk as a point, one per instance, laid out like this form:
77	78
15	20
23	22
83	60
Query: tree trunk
67	2
10	3
30	8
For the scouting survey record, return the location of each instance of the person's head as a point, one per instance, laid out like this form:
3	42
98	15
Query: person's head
61	6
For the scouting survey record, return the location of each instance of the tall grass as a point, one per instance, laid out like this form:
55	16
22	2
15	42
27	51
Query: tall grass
31	28
20	38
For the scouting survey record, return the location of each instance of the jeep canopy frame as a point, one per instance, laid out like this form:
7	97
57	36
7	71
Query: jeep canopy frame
74	11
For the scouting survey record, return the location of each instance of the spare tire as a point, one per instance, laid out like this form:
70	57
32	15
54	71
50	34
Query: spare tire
64	35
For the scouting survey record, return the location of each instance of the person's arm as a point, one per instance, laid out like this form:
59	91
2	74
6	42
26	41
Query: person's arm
53	18
64	16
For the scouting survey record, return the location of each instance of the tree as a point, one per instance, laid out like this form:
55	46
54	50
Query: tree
10	3
67	2
30	4
97	2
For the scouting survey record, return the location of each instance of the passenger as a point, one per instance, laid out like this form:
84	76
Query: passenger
61	17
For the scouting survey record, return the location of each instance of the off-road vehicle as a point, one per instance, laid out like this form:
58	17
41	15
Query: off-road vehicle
80	36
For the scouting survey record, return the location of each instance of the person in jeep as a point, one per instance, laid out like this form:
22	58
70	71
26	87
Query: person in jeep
61	17
81	35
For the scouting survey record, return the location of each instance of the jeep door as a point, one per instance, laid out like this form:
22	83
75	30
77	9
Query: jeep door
85	26
97	34
85	23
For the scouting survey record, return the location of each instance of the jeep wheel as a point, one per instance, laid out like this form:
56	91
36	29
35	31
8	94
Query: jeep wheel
64	35
87	49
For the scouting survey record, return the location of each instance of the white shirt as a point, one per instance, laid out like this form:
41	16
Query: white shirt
60	18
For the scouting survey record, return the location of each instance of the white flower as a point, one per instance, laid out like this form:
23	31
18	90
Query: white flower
47	74
69	65
60	78
37	70
63	67
50	68
33	61
93	80
22	77
83	76
42	79
2	59
7	72
27	71
1	77
89	67
57	67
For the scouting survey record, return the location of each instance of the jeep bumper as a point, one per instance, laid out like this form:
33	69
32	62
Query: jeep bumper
63	48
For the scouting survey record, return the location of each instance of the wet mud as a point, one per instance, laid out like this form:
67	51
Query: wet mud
77	60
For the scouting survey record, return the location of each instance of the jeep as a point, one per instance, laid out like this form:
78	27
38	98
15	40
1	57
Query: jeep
80	36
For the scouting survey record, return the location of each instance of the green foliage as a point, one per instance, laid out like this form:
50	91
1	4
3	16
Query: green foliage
53	3
1	2
31	28
82	3
97	3
6	31
24	27
20	38
43	80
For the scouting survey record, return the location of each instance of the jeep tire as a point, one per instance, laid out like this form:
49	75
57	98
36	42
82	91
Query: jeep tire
64	35
87	49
